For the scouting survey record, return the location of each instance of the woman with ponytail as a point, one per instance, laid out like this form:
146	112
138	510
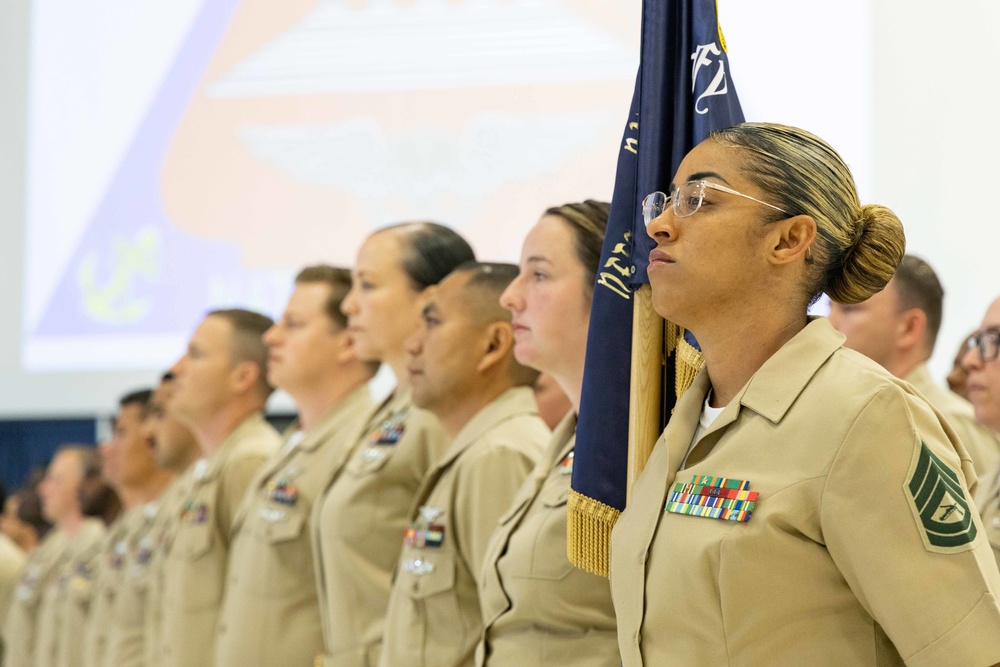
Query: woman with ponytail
803	506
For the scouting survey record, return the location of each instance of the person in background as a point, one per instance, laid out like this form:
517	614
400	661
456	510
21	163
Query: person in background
22	520
128	462
270	612
463	371
134	637
800	491
62	503
361	516
553	403
221	390
958	377
537	608
980	362
897	329
12	559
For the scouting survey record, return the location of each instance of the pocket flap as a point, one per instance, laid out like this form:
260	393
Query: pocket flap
424	572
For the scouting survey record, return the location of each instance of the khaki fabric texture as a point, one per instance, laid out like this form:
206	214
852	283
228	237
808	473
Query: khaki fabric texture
12	560
93	612
835	566
982	443
125	624
433	618
65	602
537	608
194	571
19	629
270	612
148	580
359	524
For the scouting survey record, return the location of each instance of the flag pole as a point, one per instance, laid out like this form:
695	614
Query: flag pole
646	382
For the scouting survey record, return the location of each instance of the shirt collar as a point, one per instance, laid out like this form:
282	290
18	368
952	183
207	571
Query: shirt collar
775	386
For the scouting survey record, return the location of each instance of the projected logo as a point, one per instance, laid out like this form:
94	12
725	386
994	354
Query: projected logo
284	132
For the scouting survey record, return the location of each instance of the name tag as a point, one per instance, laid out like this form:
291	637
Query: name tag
713	497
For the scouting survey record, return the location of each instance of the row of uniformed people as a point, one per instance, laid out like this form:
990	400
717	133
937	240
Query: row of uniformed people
854	495
284	551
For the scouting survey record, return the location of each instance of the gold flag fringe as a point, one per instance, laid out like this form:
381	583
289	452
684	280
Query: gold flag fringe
588	533
589	522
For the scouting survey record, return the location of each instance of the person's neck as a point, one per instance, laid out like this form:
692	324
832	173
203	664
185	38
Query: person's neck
734	353
213	431
399	366
315	403
903	365
149	490
71	524
570	380
185	461
455	413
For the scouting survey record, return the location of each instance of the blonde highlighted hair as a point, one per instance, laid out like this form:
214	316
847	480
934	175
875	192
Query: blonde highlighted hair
857	247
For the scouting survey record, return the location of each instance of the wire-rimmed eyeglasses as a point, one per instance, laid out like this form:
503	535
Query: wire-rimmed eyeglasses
687	199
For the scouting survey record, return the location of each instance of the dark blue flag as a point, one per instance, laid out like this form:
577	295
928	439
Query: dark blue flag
683	92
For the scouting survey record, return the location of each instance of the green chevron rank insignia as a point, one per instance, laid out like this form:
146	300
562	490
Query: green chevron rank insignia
939	504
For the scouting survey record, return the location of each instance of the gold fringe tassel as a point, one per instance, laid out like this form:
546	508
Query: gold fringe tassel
689	362
588	531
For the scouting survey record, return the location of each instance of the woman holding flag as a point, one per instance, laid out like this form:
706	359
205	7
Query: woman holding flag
538	609
802	506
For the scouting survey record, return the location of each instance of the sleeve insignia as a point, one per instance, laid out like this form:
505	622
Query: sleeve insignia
939	504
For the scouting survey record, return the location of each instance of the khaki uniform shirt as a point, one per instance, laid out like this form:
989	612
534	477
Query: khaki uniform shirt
125	623
66	598
194	573
981	443
537	608
270	613
89	620
12	559
433	618
359	525
824	518
145	580
20	626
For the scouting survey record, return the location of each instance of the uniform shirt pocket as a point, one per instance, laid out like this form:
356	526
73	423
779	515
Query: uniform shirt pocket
436	630
194	541
370	460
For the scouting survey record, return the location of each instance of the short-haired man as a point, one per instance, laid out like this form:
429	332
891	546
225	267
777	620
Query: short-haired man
221	392
135	626
61	504
898	328
464	372
270	614
983	366
129	463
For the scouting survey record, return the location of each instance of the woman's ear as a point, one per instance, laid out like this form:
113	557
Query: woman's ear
794	238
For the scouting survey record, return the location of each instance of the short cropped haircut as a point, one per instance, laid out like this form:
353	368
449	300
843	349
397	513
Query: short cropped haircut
140	397
918	287
339	282
487	281
248	342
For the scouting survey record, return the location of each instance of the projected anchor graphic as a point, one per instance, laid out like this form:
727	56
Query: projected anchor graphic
284	132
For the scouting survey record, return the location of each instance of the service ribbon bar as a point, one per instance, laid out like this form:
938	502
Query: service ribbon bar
713	497
432	536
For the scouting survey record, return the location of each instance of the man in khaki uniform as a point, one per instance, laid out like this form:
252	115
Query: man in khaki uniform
897	328
772	535
62	504
270	613
221	391
134	636
981	363
129	464
20	626
463	371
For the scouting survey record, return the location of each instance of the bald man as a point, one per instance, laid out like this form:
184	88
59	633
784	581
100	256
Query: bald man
463	371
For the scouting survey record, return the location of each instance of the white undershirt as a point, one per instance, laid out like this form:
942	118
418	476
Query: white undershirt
708	415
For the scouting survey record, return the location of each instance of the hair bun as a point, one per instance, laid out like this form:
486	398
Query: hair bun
871	260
